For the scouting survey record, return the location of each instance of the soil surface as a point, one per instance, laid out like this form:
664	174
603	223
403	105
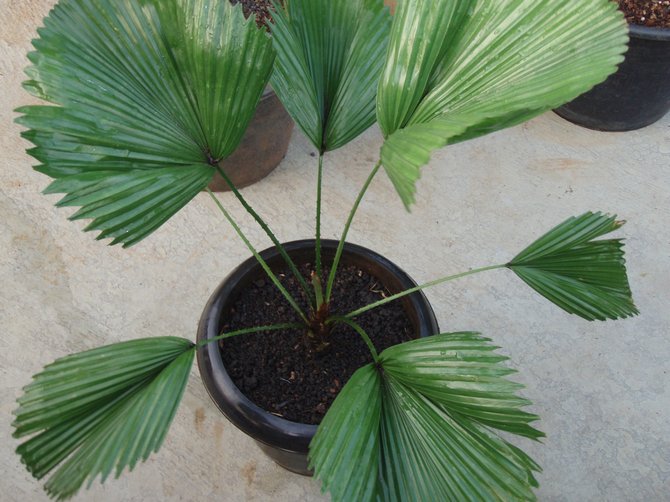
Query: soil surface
281	371
653	13
261	8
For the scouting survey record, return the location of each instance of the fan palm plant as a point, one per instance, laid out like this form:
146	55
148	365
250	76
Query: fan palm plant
148	97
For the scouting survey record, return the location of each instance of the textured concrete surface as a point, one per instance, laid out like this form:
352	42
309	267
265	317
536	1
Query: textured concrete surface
602	389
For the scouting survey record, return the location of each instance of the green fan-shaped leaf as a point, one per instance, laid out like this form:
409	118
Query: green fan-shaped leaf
461	372
421	34
581	275
490	64
430	453
225	62
411	148
101	410
420	420
345	450
127	206
329	58
142	86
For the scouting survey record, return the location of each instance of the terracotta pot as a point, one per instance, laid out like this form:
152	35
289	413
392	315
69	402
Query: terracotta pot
637	95
263	147
283	441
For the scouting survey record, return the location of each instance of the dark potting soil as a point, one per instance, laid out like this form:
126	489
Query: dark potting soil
653	13
281	371
261	8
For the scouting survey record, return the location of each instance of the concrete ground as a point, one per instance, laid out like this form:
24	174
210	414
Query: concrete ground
602	389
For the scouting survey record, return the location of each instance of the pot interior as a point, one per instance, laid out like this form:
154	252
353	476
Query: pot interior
271	430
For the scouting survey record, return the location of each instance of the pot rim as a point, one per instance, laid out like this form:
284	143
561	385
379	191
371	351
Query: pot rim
649	33
254	421
268	93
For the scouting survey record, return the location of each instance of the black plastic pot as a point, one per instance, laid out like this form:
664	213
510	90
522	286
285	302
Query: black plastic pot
637	95
284	441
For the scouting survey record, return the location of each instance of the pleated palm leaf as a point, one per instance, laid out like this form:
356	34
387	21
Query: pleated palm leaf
100	411
581	275
329	58
149	95
416	426
459	69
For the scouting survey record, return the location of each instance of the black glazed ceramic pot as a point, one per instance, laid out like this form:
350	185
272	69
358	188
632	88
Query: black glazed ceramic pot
637	95
287	442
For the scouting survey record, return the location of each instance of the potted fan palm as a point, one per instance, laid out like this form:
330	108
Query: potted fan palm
149	97
637	95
